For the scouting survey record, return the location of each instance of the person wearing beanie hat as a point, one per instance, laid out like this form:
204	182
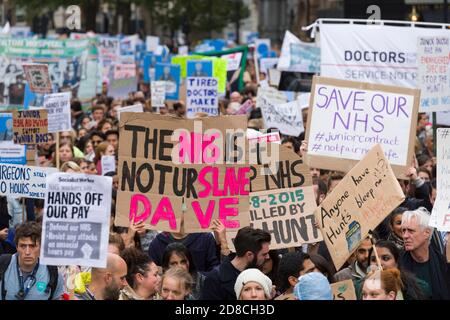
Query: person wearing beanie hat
313	286
252	284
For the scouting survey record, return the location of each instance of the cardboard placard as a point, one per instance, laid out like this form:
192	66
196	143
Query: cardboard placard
201	96
289	171
75	227
154	180
134	108
23	181
343	290
58	108
366	195
346	119
287	214
30	126
440	215
37	77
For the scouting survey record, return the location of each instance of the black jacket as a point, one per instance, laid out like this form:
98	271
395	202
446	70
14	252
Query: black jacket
439	272
202	247
219	283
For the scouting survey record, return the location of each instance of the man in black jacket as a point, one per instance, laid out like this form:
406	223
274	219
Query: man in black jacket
252	250
421	258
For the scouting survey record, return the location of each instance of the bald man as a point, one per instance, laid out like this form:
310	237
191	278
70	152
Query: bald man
106	284
235	97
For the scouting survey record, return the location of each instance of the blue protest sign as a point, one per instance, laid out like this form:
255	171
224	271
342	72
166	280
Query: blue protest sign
150	61
170	73
200	68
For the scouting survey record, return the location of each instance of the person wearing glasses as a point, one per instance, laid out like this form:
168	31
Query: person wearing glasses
358	269
24	277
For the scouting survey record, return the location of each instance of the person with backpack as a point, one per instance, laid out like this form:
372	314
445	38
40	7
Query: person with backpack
22	277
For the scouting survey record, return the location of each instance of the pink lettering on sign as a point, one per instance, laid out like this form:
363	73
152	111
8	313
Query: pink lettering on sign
204	218
225	210
164	211
232	184
198	148
135	199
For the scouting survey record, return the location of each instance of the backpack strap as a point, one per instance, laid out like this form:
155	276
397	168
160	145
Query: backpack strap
53	281
5	260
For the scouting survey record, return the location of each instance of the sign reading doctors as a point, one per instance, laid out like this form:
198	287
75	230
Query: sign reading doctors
346	119
76	221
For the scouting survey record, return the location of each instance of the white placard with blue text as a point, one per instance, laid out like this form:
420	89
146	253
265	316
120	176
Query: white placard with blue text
201	96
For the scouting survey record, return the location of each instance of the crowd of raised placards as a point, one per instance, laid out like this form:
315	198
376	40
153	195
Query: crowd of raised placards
63	236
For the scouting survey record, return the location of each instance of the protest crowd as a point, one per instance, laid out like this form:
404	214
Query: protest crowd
97	207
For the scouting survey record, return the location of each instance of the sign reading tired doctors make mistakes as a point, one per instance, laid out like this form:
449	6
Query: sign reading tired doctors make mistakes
366	195
75	227
346	119
201	96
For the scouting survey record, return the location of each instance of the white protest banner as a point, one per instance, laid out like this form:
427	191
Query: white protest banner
151	43
366	195
58	108
440	216
37	77
134	108
158	93
108	164
433	75
272	94
443	118
267	63
303	99
343	290
23	181
75	227
286	117
201	96
346	119
254	136
298	56
274	77
390	57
